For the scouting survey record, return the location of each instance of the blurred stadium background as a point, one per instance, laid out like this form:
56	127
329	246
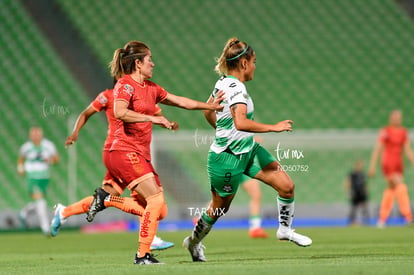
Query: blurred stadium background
337	68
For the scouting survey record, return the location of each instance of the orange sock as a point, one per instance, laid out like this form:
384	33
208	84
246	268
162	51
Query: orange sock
149	222
386	204
79	207
403	199
128	205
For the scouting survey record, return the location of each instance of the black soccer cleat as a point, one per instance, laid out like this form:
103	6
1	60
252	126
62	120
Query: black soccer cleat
97	204
147	259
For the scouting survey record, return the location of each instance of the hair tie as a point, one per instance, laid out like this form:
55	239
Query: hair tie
121	52
240	54
233	43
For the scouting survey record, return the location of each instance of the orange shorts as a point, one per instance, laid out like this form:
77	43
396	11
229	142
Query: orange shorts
108	178
129	169
389	168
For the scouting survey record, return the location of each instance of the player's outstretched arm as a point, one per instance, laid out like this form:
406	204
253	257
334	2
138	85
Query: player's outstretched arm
242	123
190	104
80	122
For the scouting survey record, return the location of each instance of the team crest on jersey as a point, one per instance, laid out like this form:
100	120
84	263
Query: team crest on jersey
103	100
128	89
227	188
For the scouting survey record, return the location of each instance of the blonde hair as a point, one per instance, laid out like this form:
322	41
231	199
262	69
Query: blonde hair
123	61
234	50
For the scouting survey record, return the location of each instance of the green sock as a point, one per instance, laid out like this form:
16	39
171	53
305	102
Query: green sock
203	226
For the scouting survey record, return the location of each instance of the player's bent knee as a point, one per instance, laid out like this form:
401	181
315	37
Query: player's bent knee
401	187
287	188
156	200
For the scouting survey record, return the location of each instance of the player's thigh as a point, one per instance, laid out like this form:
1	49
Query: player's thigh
225	172
219	205
277	178
130	169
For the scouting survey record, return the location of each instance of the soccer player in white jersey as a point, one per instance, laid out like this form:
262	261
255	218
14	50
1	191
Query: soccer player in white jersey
34	160
234	152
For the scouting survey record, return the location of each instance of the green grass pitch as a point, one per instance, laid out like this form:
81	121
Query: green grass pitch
359	250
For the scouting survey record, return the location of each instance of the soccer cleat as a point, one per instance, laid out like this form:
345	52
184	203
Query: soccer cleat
57	220
196	250
258	233
97	204
147	259
292	236
380	225
159	244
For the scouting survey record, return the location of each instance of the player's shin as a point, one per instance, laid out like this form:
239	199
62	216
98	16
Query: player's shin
78	207
202	228
127	205
286	209
149	222
41	208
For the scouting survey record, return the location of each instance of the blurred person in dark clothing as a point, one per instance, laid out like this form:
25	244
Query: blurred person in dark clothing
356	184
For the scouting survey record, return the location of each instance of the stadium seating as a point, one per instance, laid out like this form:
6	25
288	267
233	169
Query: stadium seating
323	64
37	89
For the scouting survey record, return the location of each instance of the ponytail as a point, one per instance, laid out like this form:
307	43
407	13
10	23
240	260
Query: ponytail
117	70
123	61
232	53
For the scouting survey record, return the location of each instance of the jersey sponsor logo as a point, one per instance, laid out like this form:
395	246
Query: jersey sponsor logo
128	89
235	94
102	100
145	225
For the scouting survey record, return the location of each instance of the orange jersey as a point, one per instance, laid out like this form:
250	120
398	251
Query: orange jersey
142	98
105	101
393	140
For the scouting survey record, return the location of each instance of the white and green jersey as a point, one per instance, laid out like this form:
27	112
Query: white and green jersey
227	136
36	165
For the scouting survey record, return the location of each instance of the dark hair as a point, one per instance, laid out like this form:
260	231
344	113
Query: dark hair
233	52
123	61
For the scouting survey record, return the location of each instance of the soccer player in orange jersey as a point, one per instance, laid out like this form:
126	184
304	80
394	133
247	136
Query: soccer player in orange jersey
103	102
129	160
392	142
